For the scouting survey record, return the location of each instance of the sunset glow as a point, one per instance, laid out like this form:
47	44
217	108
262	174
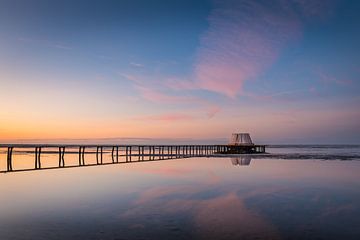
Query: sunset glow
287	73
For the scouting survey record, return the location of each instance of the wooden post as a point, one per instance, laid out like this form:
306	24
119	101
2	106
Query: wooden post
126	153
113	154
99	149
37	157
61	156
139	153
117	154
130	153
9	159
81	155
142	153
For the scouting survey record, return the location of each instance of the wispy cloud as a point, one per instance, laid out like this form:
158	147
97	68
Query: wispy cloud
138	65
243	39
327	78
164	93
213	110
157	96
129	77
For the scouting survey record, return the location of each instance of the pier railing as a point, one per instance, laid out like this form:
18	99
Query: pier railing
107	154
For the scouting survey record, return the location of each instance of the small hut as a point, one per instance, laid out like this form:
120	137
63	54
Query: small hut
241	143
241	139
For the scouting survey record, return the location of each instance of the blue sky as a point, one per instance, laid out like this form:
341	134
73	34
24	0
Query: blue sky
285	71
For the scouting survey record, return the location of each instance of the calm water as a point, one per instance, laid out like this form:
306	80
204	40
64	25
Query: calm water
292	194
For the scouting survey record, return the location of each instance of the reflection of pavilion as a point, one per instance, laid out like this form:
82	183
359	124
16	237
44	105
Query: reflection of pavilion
241	161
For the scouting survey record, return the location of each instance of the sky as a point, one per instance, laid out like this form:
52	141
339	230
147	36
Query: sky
284	71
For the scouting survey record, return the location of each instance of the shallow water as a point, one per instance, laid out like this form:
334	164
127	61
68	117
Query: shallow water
193	198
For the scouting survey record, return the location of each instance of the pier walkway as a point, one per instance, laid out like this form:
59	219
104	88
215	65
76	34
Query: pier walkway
17	155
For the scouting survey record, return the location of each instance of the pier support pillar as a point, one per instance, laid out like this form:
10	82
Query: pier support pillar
81	156
115	154
9	158
37	157
61	156
99	151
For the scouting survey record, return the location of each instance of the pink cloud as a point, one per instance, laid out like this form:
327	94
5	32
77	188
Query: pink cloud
156	95
213	110
180	84
243	39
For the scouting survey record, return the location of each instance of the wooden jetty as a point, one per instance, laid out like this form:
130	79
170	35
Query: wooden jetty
115	153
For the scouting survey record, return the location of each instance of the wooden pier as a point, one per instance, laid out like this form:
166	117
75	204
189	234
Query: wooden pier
115	153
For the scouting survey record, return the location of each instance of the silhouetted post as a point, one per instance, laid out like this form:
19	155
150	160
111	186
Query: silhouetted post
117	154
149	152
81	155
113	154
80	148
61	156
139	153
154	153
99	149
130	149
126	153
9	158
142	153
37	157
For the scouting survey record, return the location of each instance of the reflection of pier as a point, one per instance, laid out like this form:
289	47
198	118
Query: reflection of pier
109	154
241	161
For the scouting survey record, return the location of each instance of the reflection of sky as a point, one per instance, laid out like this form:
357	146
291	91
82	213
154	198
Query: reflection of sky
191	198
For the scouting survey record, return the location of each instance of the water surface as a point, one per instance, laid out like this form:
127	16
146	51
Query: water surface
193	198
